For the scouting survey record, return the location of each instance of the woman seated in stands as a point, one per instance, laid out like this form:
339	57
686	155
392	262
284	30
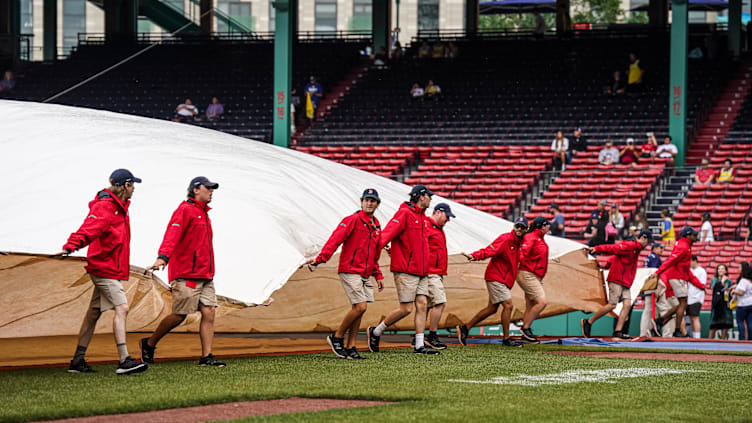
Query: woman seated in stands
7	83
628	154
433	91
416	92
726	175
560	146
648	149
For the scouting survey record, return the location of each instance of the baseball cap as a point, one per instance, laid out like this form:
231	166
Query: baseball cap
688	230
646	233
420	189
603	202
554	206
521	220
121	176
202	180
632	228
657	245
595	214
706	215
445	208
371	193
540	221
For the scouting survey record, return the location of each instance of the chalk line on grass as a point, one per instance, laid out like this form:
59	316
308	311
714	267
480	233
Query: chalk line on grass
577	376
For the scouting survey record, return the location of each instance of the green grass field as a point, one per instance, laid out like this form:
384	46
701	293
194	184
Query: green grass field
420	385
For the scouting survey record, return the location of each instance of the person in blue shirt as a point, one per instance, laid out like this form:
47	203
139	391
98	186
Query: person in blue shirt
654	258
557	224
316	91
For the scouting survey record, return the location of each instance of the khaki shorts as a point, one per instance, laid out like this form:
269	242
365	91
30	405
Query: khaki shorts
358	289
498	292
530	284
436	293
185	299
618	293
680	288
410	286
108	293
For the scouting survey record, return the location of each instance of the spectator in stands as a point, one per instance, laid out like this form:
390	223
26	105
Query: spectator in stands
648	149
577	146
704	175
706	230
295	103
617	85
185	112
726	173
397	51
215	110
540	25
743	292
696	296
380	58
721	316
437	50
433	91
451	50
600	211
634	74
417	92
667	227
633	233
641	221
557	224
667	150
653	259
628	154
560	146
7	83
595	232
424	51
616	218
749	229
608	155
314	89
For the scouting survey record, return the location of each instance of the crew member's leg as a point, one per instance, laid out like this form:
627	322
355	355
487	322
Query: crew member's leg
407	286
535	302
437	302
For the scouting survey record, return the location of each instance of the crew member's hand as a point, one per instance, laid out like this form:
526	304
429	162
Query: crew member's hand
468	256
311	264
591	251
388	250
61	255
380	284
159	264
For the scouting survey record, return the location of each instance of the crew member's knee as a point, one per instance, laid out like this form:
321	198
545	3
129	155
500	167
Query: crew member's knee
360	307
122	309
207	313
507	304
406	308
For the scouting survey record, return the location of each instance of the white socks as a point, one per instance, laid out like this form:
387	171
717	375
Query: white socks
122	351
419	340
695	335
379	329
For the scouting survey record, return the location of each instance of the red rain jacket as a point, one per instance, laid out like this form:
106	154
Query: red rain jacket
107	232
438	255
505	259
360	251
407	233
677	265
534	254
187	244
624	261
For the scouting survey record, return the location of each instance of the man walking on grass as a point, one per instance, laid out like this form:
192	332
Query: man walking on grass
437	268
359	235
620	278
187	247
107	232
500	275
409	265
533	268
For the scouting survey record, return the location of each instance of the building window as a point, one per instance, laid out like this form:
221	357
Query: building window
361	18
428	15
176	4
326	15
27	17
272	16
697	16
238	11
74	22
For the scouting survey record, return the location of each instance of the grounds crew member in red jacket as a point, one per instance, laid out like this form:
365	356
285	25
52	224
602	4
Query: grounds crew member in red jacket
409	264
107	232
677	271
533	268
437	269
620	277
188	253
501	273
359	235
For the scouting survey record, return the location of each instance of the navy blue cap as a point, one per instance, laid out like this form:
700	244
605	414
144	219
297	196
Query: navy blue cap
657	245
445	208
595	214
121	176
521	220
646	233
370	193
554	206
420	189
688	230
540	221
202	180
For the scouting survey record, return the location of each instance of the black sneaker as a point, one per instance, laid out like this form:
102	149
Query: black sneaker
679	334
373	340
585	325
80	366
462	334
210	360
425	351
654	332
338	346
130	366
433	342
147	352
621	335
509	342
352	354
658	322
528	336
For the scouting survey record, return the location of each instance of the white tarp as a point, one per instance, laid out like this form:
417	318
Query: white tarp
274	207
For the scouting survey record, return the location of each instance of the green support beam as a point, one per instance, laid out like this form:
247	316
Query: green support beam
49	22
677	114
381	16
283	39
735	27
471	17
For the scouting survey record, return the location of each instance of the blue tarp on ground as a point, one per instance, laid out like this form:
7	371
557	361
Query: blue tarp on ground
668	345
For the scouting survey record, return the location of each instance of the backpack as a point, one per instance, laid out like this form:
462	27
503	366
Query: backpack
611	231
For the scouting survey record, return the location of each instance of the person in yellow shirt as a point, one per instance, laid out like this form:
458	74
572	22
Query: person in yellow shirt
667	227
634	73
726	174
